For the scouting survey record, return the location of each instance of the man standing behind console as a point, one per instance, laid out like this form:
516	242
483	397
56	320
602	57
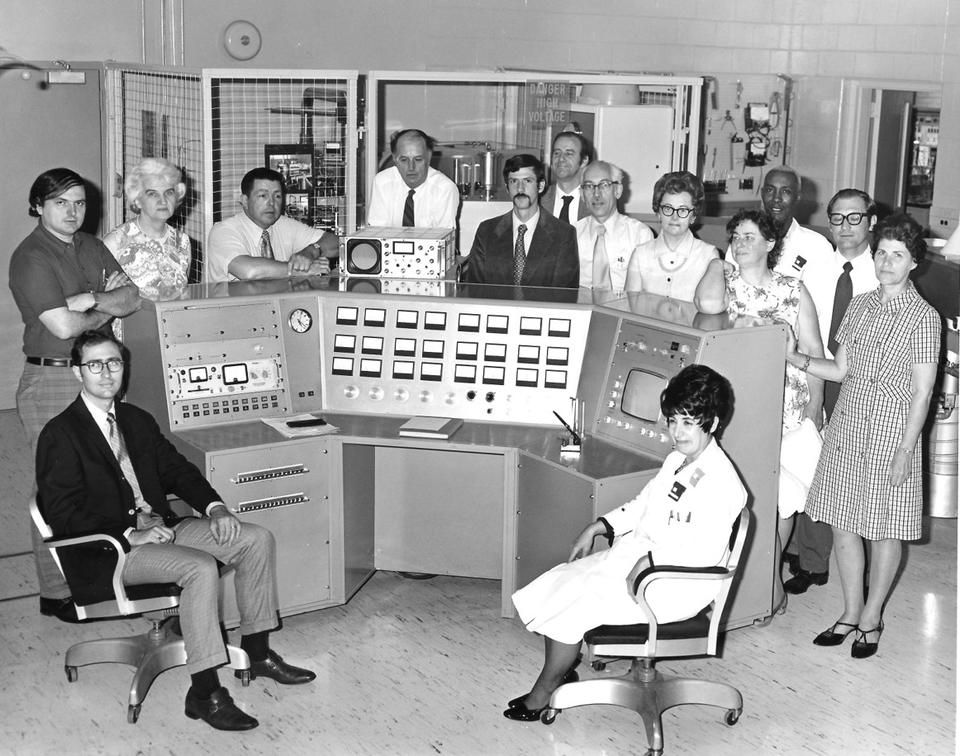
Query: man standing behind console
832	282
261	242
570	153
780	194
606	238
104	467
411	193
64	282
524	247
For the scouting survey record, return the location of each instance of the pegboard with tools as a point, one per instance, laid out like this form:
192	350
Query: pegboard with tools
746	129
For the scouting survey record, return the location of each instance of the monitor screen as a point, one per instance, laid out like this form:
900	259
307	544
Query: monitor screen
641	394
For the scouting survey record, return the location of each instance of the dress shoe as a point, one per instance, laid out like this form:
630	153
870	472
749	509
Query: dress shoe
803	580
830	636
219	711
570	677
63	609
860	648
277	669
520	713
792	561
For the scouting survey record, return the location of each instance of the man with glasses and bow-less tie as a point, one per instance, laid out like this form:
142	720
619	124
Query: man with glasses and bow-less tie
103	466
606	238
832	283
262	242
524	247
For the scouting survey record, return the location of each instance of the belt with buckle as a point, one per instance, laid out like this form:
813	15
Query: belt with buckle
50	362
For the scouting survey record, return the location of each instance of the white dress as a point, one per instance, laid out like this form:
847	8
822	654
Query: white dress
681	517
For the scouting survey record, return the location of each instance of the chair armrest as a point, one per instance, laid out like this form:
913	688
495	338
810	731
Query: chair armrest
119	592
667	572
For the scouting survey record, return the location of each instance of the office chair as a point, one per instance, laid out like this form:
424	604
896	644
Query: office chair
159	649
643	688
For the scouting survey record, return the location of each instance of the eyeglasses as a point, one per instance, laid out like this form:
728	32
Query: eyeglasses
853	219
603	186
682	212
114	365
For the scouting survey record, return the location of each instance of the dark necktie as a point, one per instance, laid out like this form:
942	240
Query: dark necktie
408	209
119	448
519	255
841	298
266	248
565	210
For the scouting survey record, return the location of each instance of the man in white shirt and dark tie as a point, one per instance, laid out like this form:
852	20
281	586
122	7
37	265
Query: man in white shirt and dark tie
606	238
562	199
411	193
832	282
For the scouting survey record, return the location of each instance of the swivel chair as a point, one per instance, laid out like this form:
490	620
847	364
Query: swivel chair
643	688
159	649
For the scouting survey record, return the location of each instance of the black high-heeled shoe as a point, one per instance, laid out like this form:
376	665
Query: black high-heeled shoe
830	636
861	649
570	677
520	713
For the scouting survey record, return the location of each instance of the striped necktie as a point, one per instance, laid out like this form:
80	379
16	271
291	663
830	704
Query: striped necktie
119	448
266	248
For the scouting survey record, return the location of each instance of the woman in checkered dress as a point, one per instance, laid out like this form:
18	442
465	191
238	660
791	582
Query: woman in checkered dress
868	483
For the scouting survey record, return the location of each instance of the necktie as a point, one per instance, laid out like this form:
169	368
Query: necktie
565	210
266	248
408	209
841	298
601	265
519	255
119	448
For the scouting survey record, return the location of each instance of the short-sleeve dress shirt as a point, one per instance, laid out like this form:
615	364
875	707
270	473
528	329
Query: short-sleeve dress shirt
435	201
239	235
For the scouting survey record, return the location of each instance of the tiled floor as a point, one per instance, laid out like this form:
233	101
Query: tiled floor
425	667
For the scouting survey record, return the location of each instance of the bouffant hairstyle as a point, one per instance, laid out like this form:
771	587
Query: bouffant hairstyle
133	184
699	392
677	182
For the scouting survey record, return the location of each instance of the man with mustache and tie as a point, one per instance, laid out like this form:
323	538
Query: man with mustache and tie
524	247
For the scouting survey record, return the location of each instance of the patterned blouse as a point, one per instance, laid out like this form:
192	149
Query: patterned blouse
778	301
159	267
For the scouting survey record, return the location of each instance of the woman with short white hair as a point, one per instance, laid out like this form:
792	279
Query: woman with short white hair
151	252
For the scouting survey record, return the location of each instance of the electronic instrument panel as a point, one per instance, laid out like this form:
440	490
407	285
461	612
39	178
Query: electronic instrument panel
503	362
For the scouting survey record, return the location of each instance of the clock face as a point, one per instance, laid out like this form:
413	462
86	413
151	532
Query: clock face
300	320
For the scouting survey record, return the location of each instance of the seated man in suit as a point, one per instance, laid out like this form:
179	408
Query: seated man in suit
104	466
570	154
524	247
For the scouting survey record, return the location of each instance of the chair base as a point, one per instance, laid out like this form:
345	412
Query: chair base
647	692
150	653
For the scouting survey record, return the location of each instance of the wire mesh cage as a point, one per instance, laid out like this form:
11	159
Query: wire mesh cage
302	124
156	112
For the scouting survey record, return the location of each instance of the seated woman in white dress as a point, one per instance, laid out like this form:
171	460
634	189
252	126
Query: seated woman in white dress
681	517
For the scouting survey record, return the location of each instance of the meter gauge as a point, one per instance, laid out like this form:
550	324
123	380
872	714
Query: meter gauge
300	320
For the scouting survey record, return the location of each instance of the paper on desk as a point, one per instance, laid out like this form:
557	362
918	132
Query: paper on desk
280	425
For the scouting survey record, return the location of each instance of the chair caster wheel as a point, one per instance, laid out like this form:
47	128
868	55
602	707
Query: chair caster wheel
548	715
71	673
245	678
732	716
598	666
133	714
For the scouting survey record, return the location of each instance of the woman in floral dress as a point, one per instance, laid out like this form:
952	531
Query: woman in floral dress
154	254
754	293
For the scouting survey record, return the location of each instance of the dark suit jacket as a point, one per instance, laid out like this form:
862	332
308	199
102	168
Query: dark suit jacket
550	196
552	259
81	489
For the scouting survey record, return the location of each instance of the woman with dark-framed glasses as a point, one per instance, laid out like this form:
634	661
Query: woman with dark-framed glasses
673	264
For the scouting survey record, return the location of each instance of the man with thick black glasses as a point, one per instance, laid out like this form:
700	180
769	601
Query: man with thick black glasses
832	282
